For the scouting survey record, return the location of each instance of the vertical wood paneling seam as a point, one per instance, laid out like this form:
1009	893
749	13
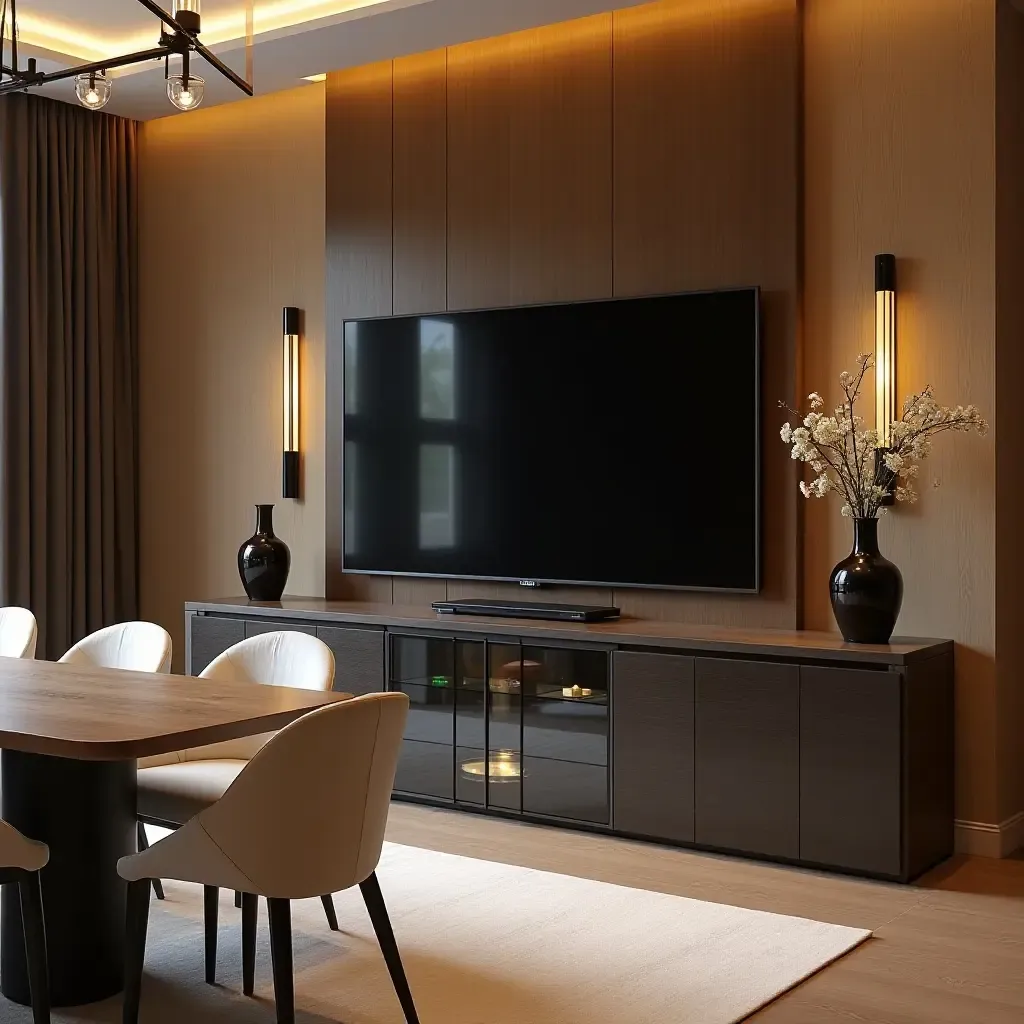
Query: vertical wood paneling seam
391	579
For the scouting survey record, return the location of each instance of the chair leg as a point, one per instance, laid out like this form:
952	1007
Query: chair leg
250	910
281	954
135	947
332	917
158	886
238	900
211	905
374	900
35	945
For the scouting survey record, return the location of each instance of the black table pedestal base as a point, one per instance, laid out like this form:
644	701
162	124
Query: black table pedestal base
85	812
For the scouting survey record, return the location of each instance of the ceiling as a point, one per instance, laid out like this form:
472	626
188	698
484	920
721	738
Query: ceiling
293	39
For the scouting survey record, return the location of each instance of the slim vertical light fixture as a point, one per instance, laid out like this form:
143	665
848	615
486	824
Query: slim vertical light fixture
290	401
885	359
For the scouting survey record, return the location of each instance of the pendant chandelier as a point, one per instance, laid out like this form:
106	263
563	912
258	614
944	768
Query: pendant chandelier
179	39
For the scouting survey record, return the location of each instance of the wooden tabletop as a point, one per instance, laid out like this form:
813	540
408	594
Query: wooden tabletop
111	714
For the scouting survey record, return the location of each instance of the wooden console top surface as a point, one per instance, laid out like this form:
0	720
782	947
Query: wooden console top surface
625	631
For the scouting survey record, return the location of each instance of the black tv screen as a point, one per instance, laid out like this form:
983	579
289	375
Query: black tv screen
612	442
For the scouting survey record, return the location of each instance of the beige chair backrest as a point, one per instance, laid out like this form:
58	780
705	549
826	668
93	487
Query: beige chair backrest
307	815
18	633
280	658
138	646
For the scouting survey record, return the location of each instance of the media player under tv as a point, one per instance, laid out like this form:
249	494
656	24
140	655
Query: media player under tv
529	610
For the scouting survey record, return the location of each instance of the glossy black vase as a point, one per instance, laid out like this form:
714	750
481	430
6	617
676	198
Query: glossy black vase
264	560
866	589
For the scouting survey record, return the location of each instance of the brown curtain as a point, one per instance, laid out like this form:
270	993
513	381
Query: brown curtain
69	365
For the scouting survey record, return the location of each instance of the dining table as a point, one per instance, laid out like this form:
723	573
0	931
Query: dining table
70	738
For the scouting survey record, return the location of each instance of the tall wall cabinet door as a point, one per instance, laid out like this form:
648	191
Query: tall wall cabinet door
850	768
652	737
747	756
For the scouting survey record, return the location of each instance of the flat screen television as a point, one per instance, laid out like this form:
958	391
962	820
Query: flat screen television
613	443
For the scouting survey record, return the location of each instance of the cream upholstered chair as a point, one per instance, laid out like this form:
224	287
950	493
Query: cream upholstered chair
305	816
21	860
18	632
138	646
174	787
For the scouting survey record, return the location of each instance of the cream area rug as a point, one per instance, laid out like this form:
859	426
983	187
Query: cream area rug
485	943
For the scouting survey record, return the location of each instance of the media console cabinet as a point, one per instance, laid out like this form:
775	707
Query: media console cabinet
791	746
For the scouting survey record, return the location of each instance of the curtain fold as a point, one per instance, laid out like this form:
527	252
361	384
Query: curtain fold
69	367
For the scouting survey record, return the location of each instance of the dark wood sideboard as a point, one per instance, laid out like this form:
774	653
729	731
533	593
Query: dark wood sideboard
790	746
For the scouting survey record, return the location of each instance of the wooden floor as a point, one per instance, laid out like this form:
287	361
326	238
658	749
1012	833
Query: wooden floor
948	950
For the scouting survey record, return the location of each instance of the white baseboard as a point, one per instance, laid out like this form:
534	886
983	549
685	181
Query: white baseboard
981	839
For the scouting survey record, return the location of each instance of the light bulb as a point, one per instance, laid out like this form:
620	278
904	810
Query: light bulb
93	89
185	94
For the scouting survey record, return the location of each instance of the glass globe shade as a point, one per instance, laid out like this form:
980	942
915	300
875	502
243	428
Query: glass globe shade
185	96
93	90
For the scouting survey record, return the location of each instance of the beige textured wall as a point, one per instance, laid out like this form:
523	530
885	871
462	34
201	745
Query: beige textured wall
900	157
232	230
1009	423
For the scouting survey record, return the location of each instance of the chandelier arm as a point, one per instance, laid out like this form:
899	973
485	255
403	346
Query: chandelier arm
85	69
211	58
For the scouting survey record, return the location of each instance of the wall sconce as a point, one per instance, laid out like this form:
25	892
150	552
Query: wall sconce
290	398
885	362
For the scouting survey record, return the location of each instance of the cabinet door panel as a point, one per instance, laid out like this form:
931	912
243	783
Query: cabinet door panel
213	635
425	769
850	769
747	756
431	714
565	789
358	658
652	731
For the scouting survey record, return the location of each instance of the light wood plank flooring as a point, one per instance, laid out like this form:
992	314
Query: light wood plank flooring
948	950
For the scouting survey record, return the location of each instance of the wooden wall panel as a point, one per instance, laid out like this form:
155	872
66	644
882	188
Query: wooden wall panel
479	211
420	206
706	196
420	183
560	124
359	254
624	154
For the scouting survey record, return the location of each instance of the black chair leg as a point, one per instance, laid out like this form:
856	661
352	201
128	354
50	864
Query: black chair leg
211	905
158	886
332	917
35	945
137	920
281	954
250	910
238	900
374	900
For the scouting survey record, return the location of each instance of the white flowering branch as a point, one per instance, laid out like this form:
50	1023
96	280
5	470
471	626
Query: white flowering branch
845	456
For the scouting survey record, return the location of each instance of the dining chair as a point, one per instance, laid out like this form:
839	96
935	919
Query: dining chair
21	860
138	646
306	815
174	787
18	633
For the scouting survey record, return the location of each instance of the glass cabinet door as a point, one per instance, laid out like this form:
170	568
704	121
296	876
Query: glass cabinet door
470	721
505	727
565	733
488	725
424	669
